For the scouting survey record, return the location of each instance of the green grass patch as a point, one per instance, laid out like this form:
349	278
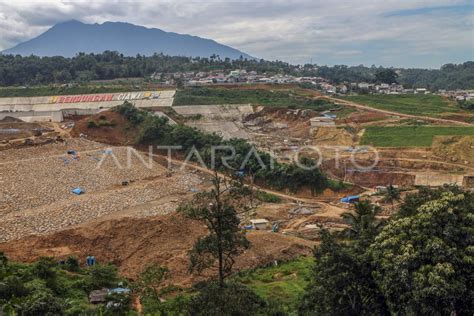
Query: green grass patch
412	104
409	136
284	283
339	185
277	98
267	197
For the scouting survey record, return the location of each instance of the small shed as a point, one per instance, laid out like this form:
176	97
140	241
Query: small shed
98	296
259	224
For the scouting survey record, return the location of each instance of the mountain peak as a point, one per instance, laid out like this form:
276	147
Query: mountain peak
68	22
71	37
73	21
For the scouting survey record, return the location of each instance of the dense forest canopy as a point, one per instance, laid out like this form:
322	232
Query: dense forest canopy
32	70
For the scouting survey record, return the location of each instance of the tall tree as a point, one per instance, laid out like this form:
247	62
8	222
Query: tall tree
341	283
149	284
219	210
386	75
392	194
363	224
424	262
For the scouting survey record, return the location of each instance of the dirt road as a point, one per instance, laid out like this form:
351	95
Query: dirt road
368	108
421	117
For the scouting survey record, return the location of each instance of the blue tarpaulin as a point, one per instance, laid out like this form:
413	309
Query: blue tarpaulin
331	116
119	290
240	173
350	199
78	191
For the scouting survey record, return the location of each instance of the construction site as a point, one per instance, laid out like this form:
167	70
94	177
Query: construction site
56	201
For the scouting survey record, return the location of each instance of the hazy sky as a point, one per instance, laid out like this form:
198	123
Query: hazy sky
386	32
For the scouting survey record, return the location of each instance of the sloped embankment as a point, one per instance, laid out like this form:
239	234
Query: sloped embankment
134	243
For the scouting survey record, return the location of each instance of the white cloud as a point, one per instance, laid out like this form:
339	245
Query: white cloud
366	31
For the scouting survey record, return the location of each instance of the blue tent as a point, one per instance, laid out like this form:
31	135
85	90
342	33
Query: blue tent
350	199
90	260
78	191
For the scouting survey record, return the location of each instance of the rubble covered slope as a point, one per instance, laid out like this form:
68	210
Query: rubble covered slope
134	243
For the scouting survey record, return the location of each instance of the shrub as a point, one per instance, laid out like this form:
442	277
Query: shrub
103	276
232	299
91	124
72	264
106	123
130	112
42	303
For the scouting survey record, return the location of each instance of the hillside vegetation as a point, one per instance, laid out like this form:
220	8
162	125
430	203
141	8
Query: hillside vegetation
33	70
50	288
284	283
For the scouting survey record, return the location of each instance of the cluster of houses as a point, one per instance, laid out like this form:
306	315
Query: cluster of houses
459	95
365	87
394	88
235	76
192	78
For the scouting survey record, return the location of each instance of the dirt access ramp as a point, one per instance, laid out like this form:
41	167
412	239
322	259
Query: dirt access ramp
134	243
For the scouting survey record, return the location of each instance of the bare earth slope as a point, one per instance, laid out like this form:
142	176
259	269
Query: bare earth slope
133	243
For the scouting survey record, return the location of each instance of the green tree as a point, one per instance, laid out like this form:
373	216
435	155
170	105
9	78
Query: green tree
149	285
391	195
42	303
363	224
45	269
103	276
3	261
130	112
215	299
179	83
386	75
225	241
341	283
413	201
72	264
424	262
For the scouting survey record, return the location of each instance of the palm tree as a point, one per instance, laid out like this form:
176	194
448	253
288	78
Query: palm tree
362	221
392	194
